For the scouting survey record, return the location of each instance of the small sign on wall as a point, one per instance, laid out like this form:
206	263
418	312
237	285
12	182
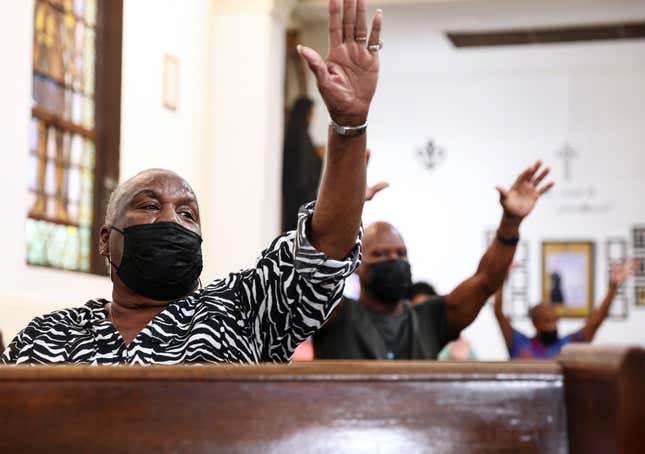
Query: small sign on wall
170	95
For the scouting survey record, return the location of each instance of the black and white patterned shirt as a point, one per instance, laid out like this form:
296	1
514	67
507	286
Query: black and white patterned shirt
256	315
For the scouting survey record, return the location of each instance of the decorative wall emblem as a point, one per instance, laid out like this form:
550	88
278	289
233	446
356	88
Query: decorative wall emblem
431	154
567	153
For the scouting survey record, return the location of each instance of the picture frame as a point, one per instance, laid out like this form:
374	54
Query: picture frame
568	276
170	82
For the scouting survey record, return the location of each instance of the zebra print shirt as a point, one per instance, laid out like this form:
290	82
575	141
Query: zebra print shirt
257	315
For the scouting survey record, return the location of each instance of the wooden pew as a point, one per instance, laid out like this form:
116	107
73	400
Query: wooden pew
605	398
402	407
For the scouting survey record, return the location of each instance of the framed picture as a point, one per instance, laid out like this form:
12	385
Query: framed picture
568	276
170	95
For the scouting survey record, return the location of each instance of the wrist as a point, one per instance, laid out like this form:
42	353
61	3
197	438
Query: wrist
351	120
509	226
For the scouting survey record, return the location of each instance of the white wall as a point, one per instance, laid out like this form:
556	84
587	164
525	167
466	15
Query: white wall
495	111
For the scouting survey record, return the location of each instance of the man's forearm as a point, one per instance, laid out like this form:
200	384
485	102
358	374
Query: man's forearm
341	196
495	263
598	316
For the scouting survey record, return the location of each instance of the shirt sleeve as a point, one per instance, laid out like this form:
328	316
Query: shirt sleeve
518	342
578	336
19	349
292	290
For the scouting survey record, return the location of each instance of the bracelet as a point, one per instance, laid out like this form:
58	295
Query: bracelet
512	241
349	131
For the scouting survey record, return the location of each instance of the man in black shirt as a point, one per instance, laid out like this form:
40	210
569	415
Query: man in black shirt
384	325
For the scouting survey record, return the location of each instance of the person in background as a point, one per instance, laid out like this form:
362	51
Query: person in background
421	292
459	350
301	165
383	324
547	342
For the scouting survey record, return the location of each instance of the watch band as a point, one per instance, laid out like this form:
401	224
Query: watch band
349	131
512	241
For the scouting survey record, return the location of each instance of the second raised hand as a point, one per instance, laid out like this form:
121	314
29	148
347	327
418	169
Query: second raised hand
347	79
520	199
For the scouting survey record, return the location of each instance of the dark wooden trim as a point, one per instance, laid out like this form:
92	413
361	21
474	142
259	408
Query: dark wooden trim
543	371
109	40
54	120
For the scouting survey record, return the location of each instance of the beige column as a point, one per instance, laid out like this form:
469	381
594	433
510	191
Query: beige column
242	171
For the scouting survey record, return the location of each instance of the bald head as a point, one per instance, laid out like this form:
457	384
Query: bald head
381	242
144	179
544	317
381	232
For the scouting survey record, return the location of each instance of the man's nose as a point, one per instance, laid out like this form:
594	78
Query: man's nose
167	214
393	255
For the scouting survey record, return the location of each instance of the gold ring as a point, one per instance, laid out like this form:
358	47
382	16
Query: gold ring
360	38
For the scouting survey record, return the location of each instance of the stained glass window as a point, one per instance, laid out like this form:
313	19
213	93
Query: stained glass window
62	152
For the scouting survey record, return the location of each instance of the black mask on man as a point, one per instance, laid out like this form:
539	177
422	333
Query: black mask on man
548	337
161	261
389	281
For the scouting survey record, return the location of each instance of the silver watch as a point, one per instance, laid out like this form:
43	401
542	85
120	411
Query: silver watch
349	131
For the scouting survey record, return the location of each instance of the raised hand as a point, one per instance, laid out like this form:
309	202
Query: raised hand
520	199
620	272
347	79
371	191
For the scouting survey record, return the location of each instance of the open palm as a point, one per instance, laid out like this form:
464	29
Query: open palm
347	79
520	199
622	271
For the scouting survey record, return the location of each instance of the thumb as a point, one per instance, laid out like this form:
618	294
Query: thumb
502	192
314	61
368	155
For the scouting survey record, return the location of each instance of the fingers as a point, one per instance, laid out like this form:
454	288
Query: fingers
335	24
377	23
502	192
546	188
348	20
529	173
315	62
541	176
361	21
371	191
378	187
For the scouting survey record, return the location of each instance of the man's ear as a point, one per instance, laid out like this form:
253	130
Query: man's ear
104	241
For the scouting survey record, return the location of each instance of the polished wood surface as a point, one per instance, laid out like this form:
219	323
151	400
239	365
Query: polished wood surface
319	407
605	399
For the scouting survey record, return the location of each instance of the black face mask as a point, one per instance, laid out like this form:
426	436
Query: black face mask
161	261
548	337
389	281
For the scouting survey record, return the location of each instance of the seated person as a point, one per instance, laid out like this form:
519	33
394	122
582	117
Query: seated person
152	240
459	350
421	292
547	343
383	324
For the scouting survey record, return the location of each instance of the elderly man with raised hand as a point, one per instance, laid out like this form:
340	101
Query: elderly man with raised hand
383	324
152	240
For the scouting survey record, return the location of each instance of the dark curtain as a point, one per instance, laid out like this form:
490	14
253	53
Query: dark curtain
301	165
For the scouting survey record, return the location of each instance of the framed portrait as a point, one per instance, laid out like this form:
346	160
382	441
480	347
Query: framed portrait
568	276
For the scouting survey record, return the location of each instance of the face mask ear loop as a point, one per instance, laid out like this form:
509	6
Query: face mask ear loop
108	257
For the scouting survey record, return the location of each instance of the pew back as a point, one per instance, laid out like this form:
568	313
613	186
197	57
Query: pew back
319	407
